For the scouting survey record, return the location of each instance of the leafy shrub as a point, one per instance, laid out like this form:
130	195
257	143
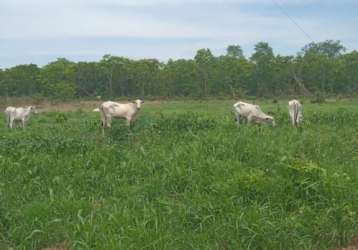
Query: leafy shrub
180	180
61	118
185	122
319	98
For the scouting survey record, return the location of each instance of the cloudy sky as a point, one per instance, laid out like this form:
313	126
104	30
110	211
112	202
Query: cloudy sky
39	31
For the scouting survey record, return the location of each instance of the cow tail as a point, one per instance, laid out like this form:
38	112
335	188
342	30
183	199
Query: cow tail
295	113
7	118
103	117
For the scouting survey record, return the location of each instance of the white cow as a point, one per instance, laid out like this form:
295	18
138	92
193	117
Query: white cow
111	109
95	110
295	111
252	113
18	114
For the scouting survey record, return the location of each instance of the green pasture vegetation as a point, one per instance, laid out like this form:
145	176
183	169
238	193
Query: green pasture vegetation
184	176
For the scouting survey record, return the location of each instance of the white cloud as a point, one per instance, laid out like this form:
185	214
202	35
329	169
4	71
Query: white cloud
50	22
180	26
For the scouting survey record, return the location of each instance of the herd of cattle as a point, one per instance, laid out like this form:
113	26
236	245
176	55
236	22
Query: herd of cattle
243	111
253	113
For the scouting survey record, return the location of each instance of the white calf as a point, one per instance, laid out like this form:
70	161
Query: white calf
252	113
121	110
295	111
18	114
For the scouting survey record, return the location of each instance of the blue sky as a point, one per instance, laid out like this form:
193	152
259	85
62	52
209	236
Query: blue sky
39	31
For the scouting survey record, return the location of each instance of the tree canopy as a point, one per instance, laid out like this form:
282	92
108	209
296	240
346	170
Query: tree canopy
322	67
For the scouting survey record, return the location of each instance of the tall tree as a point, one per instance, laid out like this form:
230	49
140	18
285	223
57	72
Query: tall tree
329	48
234	51
108	64
181	78
263	58
204	60
318	63
322	67
347	80
21	80
58	79
90	79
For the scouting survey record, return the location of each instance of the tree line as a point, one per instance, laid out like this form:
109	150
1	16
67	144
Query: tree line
319	68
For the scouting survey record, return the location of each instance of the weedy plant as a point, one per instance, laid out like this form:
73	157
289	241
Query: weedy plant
180	180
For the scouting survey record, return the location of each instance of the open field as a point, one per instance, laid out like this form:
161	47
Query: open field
185	176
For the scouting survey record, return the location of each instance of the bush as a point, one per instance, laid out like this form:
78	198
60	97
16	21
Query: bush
319	98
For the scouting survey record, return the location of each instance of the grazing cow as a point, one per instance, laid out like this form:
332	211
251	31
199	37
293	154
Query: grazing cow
95	110
295	111
252	113
18	114
111	109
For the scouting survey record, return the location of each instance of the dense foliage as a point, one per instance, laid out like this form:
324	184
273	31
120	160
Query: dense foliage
319	68
181	180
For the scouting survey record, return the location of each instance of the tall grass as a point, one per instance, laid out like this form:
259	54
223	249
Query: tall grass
190	179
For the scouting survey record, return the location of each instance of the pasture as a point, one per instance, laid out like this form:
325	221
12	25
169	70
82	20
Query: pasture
185	176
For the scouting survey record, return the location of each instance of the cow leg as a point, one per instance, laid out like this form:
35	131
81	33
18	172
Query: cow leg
103	119
8	120
129	119
237	118
292	118
108	121
103	126
23	123
11	123
293	121
250	118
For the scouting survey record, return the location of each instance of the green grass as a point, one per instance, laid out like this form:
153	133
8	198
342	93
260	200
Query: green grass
183	177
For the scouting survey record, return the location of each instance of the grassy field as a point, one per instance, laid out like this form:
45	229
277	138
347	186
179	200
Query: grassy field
185	176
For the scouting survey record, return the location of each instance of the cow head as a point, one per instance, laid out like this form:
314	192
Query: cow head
269	120
139	103
33	109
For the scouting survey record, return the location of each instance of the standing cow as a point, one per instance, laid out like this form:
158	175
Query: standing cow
111	110
295	111
18	114
252	113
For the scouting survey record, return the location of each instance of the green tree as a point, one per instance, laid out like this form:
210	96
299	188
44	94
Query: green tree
327	48
204	61
145	77
318	64
263	59
58	79
90	79
347	81
234	51
108	65
181	78
234	76
322	67
21	80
